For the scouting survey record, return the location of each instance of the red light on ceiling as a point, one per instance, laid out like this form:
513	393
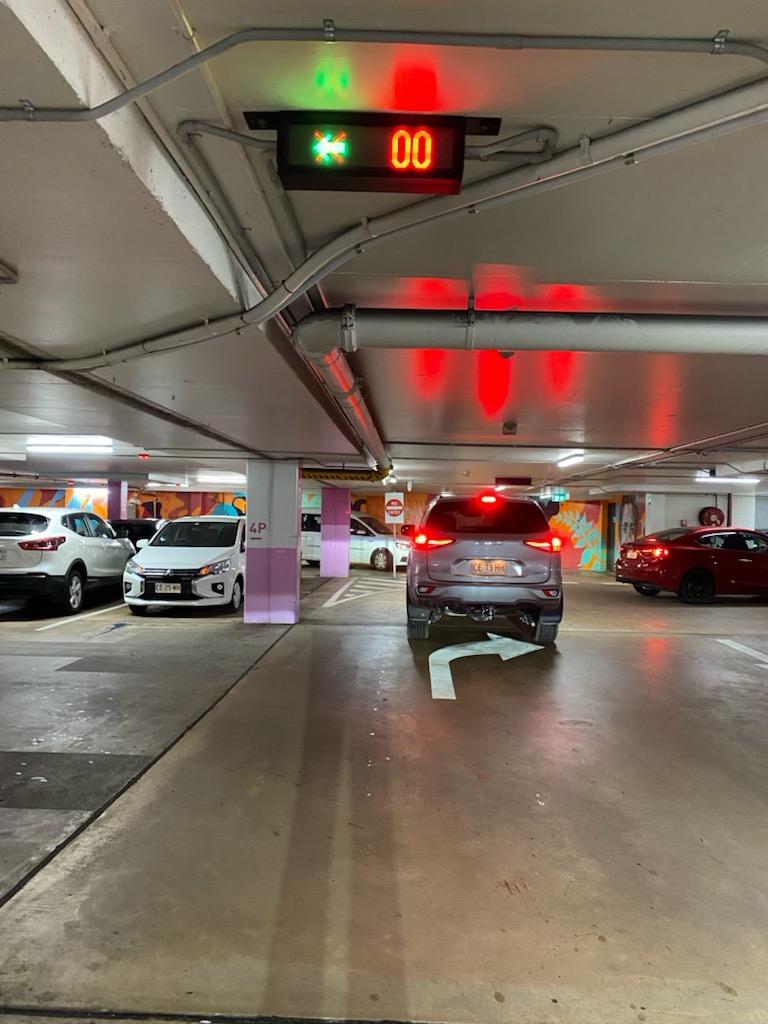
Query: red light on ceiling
414	88
144	455
411	150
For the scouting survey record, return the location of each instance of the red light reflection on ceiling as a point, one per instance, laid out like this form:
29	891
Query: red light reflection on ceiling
664	385
428	370
433	293
562	371
493	382
414	87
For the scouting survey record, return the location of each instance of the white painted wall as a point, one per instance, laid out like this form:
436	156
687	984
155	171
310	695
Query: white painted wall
665	511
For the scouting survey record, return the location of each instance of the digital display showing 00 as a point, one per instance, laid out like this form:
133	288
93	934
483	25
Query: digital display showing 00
371	152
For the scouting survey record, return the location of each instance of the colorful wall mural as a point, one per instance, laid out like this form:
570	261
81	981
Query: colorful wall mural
581	525
90	499
172	504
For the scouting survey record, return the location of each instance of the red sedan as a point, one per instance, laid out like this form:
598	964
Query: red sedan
696	564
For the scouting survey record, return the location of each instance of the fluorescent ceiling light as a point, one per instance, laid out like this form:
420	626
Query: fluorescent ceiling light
83	440
12	457
221	478
69	449
571	460
728	479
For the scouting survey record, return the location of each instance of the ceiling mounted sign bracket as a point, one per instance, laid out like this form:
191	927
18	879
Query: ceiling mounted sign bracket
720	41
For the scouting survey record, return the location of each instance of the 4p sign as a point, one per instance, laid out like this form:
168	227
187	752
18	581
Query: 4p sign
394	507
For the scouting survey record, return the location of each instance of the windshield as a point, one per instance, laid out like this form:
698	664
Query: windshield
21	524
500	519
196	534
375	524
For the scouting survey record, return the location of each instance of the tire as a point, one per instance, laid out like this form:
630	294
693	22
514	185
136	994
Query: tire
74	591
236	601
645	590
381	560
418	629
698	587
545	633
138	609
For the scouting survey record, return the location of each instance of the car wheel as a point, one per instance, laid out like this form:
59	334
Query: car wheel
645	590
138	609
381	560
418	629
74	592
236	601
545	633
698	587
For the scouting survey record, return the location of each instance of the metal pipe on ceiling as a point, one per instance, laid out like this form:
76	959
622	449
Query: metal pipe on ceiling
350	329
719	45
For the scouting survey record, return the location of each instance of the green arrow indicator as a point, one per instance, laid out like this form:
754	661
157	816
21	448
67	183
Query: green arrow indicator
327	148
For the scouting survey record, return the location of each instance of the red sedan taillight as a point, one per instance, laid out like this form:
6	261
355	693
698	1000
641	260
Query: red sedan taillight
422	541
656	552
46	544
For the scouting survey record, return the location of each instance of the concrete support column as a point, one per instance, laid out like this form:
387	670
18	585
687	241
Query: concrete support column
334	535
117	499
273	553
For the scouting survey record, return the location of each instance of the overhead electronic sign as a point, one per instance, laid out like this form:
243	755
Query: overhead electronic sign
370	152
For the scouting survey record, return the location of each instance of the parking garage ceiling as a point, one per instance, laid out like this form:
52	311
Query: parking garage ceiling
114	241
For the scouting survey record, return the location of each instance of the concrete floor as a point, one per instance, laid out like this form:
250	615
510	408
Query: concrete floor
579	836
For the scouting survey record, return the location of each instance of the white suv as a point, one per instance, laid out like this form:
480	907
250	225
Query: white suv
193	560
57	553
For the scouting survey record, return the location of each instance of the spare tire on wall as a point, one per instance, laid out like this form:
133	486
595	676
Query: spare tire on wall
711	516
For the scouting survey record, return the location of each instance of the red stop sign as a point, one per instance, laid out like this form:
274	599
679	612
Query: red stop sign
394	507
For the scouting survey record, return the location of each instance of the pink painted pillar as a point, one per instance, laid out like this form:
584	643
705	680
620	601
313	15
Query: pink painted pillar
117	499
273	550
334	532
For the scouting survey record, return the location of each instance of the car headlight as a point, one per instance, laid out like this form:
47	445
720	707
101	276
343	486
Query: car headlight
215	568
403	547
133	566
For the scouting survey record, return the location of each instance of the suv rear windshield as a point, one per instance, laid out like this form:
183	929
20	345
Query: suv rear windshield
500	520
21	524
196	535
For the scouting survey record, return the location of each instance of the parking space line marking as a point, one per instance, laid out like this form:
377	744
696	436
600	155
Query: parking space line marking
743	649
332	599
78	618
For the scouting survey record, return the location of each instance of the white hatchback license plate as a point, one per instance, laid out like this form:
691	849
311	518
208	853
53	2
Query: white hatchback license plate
488	567
167	588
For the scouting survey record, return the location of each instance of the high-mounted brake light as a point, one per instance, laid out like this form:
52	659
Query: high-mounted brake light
423	540
488	499
551	544
46	544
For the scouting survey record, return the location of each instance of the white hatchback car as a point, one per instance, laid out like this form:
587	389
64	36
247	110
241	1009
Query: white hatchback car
57	553
371	543
194	560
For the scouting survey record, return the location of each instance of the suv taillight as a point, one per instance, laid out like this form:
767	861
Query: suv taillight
46	544
552	544
424	541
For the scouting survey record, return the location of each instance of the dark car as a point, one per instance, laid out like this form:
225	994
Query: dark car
136	529
485	557
696	564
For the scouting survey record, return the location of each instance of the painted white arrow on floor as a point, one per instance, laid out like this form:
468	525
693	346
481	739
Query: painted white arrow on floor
440	661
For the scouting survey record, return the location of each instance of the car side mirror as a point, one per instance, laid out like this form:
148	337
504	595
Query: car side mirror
141	543
407	529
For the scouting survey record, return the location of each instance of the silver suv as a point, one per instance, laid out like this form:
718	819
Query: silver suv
484	557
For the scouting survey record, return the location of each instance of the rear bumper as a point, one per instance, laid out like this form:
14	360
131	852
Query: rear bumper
460	599
31	584
645	575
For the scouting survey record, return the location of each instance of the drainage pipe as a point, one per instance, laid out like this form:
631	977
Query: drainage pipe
329	33
350	329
